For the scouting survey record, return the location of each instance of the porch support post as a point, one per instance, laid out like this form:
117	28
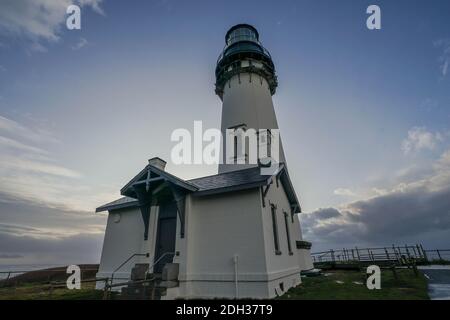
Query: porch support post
145	203
180	199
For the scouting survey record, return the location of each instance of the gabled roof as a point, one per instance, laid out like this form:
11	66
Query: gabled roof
152	172
220	183
230	181
123	202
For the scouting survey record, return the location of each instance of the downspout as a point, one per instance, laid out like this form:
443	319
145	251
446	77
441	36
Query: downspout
236	284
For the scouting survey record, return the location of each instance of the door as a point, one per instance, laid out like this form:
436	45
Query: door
165	243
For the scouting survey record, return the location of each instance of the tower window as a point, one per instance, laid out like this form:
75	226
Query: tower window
288	235
265	142
276	239
238	144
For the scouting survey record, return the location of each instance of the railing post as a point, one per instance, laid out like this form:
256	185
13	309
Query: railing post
407	251
105	290
414	250
387	254
357	253
439	254
424	253
418	251
7	278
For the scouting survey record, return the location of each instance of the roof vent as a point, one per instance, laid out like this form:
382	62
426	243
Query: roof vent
157	162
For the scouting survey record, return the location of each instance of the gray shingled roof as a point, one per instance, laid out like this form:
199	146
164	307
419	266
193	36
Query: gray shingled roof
229	180
219	183
118	204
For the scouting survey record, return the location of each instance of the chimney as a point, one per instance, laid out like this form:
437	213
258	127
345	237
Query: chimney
158	163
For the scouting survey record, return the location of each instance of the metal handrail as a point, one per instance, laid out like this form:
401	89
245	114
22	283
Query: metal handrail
126	261
157	260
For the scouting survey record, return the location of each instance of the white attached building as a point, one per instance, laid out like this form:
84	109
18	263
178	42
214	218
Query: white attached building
234	234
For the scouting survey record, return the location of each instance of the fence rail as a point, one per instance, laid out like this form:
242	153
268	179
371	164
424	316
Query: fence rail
390	254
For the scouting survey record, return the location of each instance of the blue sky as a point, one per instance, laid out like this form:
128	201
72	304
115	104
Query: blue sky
364	115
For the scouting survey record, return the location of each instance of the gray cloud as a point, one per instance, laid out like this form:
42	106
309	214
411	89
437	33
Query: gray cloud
327	213
413	212
31	234
76	249
401	216
10	256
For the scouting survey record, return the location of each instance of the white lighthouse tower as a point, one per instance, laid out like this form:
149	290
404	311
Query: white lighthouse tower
245	81
235	234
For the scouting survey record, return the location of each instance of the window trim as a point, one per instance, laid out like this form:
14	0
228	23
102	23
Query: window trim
276	238
288	233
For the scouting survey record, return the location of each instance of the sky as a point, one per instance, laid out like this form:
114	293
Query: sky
364	114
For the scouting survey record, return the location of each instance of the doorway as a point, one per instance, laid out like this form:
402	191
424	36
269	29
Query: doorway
166	235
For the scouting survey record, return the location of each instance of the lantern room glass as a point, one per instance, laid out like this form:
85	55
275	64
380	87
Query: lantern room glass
241	34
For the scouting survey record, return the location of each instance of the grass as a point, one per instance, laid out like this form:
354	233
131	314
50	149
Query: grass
33	291
406	287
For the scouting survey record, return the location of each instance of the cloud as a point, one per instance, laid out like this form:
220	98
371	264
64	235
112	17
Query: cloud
413	212
419	139
28	171
38	20
326	213
344	192
10	256
39	234
74	249
80	44
444	58
19	164
11	127
11	143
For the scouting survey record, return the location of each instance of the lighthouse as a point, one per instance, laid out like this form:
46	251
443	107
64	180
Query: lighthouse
245	82
235	234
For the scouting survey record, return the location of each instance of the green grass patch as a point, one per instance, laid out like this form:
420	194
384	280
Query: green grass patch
29	291
351	285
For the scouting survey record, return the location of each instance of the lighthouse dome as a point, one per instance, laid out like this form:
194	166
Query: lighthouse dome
242	44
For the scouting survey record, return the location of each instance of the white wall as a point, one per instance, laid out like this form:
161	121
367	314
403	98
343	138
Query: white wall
284	267
123	239
247	102
220	226
217	228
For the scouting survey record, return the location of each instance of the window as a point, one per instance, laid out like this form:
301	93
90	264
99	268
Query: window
237	137
276	240
235	144
265	142
241	34
288	235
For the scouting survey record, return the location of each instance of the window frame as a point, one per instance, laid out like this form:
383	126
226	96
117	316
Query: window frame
288	233
276	237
